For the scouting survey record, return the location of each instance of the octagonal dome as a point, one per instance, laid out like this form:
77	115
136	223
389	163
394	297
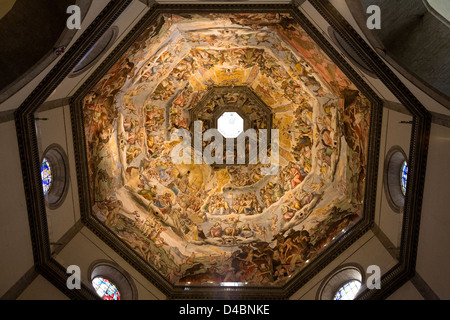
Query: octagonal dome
200	225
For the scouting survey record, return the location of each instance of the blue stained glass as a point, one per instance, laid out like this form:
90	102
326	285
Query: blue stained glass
404	176
46	175
348	291
105	289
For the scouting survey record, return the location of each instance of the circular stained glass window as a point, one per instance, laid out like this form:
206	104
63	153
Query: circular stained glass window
403	176
348	291
54	176
395	177
105	289
46	175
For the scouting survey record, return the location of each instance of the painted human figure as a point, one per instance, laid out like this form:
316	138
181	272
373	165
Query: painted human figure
164	203
296	177
216	230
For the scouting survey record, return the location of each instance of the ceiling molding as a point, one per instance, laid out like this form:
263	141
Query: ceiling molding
178	292
21	285
55	273
424	289
436	118
53	104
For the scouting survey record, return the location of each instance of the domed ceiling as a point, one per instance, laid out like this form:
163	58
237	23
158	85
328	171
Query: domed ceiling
227	224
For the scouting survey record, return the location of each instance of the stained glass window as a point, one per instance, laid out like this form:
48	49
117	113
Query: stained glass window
105	289
403	176
348	291
46	175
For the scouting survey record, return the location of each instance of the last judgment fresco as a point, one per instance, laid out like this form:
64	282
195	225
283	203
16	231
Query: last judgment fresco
200	224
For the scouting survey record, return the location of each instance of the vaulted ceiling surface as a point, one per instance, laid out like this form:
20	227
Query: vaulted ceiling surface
199	225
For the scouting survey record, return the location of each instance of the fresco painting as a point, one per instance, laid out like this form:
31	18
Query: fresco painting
201	225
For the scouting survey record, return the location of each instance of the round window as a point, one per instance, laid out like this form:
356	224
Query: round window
343	283
395	178
348	291
105	289
111	282
54	176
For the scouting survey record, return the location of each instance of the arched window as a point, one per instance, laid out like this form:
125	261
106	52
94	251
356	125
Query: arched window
54	175
348	290
343	283
395	177
111	282
105	289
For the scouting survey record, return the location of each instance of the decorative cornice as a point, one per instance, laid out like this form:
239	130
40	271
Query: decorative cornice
436	118
31	174
175	292
424	289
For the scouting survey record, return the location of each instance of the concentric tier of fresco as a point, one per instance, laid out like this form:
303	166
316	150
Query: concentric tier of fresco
198	224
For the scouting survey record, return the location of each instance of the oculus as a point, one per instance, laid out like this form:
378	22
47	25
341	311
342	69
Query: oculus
230	124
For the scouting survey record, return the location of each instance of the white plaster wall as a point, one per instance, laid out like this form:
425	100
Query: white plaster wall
434	240
433	257
42	289
16	254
